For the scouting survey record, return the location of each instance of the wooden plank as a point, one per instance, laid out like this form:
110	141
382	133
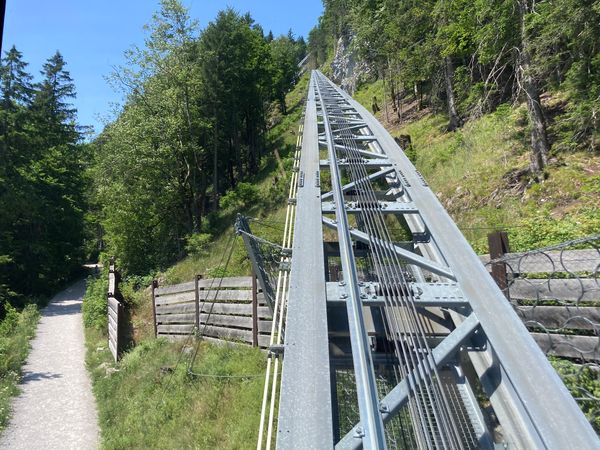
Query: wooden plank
179	308
206	296
175	329
554	317
113	350
264	326
175	288
263	341
584	289
226	321
228	333
112	284
243	295
240	309
113	303
112	337
189	318
212	283
229	282
587	260
112	322
112	313
112	329
178	297
584	347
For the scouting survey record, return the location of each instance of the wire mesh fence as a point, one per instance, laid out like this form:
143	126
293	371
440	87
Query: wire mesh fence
556	293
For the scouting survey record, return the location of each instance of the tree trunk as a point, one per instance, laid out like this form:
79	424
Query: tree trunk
539	138
216	164
455	121
385	107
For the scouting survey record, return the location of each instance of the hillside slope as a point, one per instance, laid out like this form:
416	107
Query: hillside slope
479	172
159	395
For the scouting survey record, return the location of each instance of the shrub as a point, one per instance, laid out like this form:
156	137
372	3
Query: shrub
95	302
243	195
15	332
197	243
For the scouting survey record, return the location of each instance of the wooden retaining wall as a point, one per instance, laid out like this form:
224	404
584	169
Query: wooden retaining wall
562	310
229	309
116	314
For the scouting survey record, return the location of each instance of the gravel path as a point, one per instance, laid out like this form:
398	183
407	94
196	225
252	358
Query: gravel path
56	408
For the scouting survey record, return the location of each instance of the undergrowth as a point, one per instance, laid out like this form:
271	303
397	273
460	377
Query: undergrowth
16	330
479	174
261	197
150	399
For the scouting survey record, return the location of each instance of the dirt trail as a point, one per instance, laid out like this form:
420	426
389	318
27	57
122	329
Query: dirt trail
56	408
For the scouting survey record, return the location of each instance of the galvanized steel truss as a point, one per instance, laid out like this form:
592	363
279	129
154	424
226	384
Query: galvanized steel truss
440	270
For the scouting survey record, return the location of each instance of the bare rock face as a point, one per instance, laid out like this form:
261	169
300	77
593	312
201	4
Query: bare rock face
346	67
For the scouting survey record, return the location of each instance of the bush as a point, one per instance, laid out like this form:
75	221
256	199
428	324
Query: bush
197	244
243	195
16	330
95	302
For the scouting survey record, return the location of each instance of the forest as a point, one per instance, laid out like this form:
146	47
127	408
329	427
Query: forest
467	57
42	180
193	125
199	104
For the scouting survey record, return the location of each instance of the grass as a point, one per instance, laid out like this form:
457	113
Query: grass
474	172
16	330
150	399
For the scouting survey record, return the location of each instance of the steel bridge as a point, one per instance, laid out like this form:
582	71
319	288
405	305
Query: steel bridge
390	331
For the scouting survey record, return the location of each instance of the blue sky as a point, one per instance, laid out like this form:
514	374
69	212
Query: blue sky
93	34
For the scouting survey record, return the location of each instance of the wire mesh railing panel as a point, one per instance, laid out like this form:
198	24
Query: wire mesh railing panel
556	293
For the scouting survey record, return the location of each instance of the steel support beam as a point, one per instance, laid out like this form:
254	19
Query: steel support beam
398	397
353	184
445	295
404	254
385	207
369	163
533	405
305	405
373	433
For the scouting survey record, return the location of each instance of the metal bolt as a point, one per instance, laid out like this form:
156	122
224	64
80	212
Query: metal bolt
344	295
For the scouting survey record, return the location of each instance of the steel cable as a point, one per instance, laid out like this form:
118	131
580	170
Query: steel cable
396	302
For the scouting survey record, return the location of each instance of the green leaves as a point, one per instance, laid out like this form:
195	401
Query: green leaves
192	129
41	199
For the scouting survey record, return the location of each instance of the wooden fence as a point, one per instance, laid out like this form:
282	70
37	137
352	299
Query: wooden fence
229	309
116	314
556	294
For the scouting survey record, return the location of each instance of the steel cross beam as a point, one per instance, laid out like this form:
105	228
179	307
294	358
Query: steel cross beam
373	432
534	407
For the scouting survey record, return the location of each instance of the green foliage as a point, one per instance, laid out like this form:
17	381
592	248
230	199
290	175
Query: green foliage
16	330
544	230
197	244
41	165
152	402
582	382
242	196
95	302
192	129
468	57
